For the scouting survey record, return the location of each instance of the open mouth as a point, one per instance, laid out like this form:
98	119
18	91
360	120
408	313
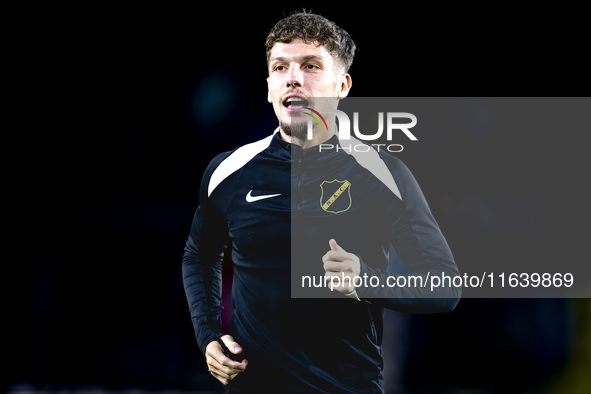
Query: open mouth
295	102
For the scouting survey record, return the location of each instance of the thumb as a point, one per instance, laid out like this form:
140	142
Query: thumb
231	345
334	246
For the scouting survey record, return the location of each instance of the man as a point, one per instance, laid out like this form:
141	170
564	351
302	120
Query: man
267	198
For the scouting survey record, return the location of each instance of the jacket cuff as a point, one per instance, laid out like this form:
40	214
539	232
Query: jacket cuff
353	295
365	271
205	336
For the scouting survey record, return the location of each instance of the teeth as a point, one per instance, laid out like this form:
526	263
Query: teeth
289	100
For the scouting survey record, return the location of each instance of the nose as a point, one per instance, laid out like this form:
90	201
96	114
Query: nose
294	77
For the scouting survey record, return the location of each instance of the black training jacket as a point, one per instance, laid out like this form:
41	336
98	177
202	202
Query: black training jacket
278	207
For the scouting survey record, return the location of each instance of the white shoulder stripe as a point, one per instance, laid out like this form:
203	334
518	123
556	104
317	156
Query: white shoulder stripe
237	160
371	161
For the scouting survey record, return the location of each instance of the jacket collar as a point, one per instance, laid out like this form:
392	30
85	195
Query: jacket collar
295	151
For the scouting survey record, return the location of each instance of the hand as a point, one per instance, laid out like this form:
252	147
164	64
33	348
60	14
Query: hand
338	262
221	367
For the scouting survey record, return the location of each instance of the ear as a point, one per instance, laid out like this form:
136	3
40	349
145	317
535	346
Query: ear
268	92
344	85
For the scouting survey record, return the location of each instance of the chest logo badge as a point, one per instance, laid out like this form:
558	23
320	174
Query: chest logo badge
335	196
250	198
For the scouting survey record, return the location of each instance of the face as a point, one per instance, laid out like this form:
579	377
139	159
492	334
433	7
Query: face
306	71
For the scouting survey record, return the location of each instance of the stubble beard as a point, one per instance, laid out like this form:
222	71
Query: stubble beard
297	130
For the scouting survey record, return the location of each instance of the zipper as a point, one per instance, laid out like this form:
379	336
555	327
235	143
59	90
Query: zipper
299	193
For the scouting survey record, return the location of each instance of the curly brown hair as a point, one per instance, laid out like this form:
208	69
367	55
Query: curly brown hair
312	28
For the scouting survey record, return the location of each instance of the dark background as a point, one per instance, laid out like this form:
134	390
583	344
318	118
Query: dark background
135	102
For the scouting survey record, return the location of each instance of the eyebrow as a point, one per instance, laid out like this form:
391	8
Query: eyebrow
305	58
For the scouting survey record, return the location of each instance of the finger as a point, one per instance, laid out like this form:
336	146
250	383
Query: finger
226	366
234	365
215	353
215	368
335	246
337	266
342	289
226	362
334	280
231	344
225	373
336	256
222	377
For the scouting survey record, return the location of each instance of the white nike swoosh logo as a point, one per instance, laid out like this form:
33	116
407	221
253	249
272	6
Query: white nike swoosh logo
250	198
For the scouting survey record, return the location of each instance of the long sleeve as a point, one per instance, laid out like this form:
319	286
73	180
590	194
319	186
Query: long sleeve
420	245
202	264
